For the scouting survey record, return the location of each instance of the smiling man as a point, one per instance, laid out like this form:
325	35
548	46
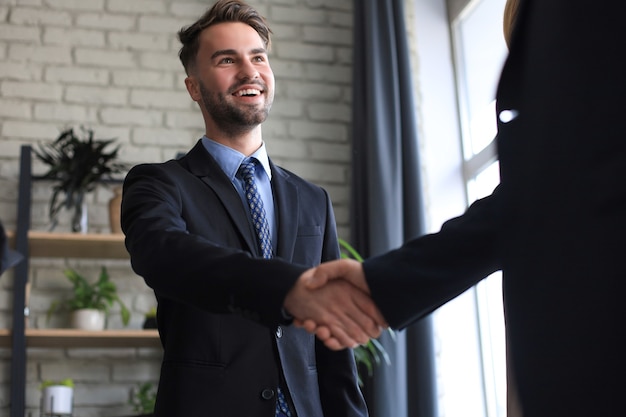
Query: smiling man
222	234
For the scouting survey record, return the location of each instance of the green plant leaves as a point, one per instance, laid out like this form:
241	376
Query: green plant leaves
101	295
372	353
144	398
67	382
348	252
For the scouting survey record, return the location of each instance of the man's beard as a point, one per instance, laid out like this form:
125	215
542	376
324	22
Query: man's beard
230	118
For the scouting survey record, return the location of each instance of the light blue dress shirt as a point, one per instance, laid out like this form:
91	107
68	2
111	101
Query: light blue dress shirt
229	160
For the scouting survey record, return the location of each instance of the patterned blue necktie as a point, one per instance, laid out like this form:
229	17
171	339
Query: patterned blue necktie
262	229
261	225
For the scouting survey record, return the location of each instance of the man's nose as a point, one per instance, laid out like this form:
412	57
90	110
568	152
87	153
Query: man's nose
248	70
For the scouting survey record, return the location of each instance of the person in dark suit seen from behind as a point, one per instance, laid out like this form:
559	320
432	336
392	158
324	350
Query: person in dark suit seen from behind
555	226
229	350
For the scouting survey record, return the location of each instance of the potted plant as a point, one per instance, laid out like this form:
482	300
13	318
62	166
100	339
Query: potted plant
143	399
91	301
372	353
77	162
150	319
57	397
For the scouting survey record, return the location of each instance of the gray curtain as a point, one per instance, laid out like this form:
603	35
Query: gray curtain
386	202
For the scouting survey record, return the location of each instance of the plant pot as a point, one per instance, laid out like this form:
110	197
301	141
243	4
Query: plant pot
57	400
74	217
79	218
88	319
150	323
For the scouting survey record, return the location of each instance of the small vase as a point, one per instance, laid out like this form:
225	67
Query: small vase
79	218
115	209
57	400
150	323
88	319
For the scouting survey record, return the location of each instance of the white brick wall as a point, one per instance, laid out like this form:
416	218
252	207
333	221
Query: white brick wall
112	65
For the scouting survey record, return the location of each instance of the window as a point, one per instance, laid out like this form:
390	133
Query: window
479	53
459	50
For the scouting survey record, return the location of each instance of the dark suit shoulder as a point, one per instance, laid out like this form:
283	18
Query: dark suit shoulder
171	168
296	180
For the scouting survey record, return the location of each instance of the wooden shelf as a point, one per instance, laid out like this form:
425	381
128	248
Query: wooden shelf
74	338
55	245
75	245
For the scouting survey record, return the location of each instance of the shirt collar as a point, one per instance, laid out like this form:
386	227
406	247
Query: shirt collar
230	159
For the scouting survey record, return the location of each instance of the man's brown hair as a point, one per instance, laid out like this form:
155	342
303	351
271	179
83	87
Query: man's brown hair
222	11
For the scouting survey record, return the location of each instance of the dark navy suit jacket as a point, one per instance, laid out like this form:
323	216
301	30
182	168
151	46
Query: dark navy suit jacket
556	225
219	306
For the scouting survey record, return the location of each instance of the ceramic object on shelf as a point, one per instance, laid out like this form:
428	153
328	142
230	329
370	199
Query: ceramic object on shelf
57	400
74	218
80	218
150	323
88	319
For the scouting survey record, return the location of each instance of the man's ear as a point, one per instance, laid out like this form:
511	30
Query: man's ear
193	88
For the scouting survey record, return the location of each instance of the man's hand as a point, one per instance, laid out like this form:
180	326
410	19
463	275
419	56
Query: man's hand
340	311
346	269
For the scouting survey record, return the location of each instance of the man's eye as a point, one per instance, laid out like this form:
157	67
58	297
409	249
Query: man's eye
227	61
258	59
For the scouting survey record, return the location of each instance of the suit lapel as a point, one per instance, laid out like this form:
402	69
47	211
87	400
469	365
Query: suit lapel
202	165
286	205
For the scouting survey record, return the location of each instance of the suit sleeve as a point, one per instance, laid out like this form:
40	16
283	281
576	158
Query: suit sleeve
191	268
410	282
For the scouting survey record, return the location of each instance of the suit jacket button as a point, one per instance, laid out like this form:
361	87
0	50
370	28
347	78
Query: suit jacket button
267	394
279	332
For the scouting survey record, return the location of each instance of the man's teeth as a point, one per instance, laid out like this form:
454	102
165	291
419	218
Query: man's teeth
248	92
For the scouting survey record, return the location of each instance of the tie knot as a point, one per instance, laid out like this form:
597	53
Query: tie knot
247	168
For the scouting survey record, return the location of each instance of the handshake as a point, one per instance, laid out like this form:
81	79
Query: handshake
333	301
